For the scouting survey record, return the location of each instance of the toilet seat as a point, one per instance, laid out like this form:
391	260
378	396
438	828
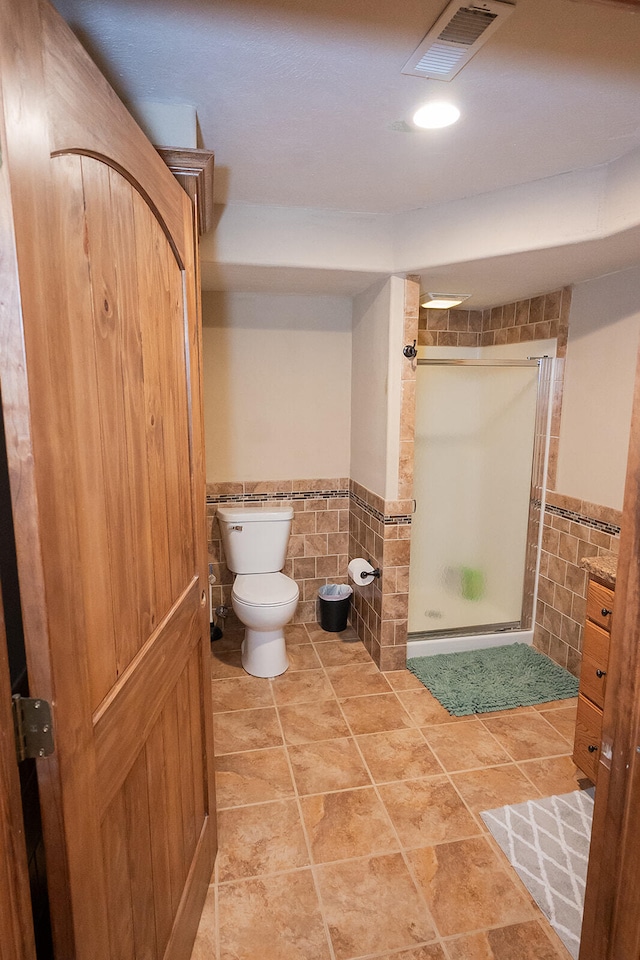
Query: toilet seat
264	589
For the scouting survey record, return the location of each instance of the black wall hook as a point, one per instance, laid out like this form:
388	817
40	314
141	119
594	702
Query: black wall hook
410	351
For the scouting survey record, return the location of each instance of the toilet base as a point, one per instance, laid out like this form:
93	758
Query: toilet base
264	653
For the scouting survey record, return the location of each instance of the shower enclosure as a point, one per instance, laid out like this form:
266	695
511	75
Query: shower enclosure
480	437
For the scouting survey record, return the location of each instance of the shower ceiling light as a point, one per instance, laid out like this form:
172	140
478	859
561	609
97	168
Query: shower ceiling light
442	301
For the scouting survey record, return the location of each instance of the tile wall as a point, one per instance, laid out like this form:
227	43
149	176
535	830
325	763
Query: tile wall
573	529
538	318
318	546
336	520
380	532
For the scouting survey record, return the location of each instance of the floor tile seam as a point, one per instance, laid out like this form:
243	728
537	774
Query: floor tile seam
561	734
259	803
546	756
529	778
498	926
301	703
493	736
307	840
555	730
553	938
403	853
397	951
475	817
477	814
541	713
424	737
450	722
269	706
507	868
264	876
232	753
510	754
503	763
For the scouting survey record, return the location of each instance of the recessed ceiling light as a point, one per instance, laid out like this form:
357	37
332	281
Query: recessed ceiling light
436	114
442	301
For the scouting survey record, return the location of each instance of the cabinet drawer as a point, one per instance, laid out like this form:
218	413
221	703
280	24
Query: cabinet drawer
586	748
600	604
593	680
595	657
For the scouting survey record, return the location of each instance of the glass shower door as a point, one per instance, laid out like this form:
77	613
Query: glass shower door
474	441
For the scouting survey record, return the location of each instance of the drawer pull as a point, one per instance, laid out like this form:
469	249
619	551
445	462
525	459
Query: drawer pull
601	673
591	748
605	613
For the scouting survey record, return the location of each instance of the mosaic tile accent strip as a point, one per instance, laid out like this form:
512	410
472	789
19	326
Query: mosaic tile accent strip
610	528
281	495
376	514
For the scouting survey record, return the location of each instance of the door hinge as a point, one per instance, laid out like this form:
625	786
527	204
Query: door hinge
33	727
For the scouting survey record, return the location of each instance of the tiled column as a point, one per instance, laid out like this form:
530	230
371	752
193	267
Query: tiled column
380	530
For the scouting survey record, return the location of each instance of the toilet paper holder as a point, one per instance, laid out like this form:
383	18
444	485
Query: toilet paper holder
370	573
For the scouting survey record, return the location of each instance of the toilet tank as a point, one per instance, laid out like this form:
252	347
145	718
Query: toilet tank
255	540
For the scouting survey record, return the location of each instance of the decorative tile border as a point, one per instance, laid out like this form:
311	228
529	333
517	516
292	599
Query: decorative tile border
376	514
610	528
277	496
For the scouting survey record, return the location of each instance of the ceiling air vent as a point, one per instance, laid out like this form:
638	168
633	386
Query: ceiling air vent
455	37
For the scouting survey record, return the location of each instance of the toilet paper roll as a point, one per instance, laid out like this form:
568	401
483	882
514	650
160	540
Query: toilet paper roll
359	566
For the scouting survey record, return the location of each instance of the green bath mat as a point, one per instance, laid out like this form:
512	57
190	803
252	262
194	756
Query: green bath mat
498	678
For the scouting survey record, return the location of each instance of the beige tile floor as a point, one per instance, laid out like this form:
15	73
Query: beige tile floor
348	813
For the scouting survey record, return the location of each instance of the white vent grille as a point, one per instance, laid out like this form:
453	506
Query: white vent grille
455	37
467	26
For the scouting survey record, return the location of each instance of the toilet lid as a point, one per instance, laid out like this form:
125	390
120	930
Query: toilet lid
265	589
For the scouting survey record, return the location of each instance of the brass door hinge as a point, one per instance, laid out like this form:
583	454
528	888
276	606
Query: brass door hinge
33	727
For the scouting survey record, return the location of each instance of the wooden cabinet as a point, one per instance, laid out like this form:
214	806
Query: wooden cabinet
593	678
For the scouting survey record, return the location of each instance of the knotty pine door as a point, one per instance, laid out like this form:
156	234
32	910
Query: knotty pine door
100	373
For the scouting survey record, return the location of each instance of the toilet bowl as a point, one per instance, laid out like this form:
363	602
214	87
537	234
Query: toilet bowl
264	599
264	603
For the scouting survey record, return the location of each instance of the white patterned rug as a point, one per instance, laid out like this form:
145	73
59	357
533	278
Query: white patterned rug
547	843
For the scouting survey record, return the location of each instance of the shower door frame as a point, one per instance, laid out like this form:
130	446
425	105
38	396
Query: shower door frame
537	490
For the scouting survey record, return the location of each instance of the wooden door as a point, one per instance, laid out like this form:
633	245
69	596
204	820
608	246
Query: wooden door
100	373
611	924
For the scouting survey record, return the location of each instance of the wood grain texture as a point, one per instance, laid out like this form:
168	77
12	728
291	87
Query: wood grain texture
83	93
599	599
611	924
102	399
586	748
193	169
129	713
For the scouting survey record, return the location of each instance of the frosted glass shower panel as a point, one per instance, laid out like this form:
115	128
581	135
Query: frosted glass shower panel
473	455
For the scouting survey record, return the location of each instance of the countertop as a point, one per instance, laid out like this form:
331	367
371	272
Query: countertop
604	568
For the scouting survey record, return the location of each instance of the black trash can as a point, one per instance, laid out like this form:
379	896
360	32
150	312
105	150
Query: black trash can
334	601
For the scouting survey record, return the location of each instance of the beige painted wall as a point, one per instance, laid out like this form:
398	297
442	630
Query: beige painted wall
375	382
598	390
277	386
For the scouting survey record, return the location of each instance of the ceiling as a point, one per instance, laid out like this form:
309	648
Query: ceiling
299	98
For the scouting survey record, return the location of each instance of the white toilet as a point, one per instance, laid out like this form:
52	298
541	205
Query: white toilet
255	549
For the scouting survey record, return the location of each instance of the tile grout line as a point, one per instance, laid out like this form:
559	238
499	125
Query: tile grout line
390	821
355	738
314	877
